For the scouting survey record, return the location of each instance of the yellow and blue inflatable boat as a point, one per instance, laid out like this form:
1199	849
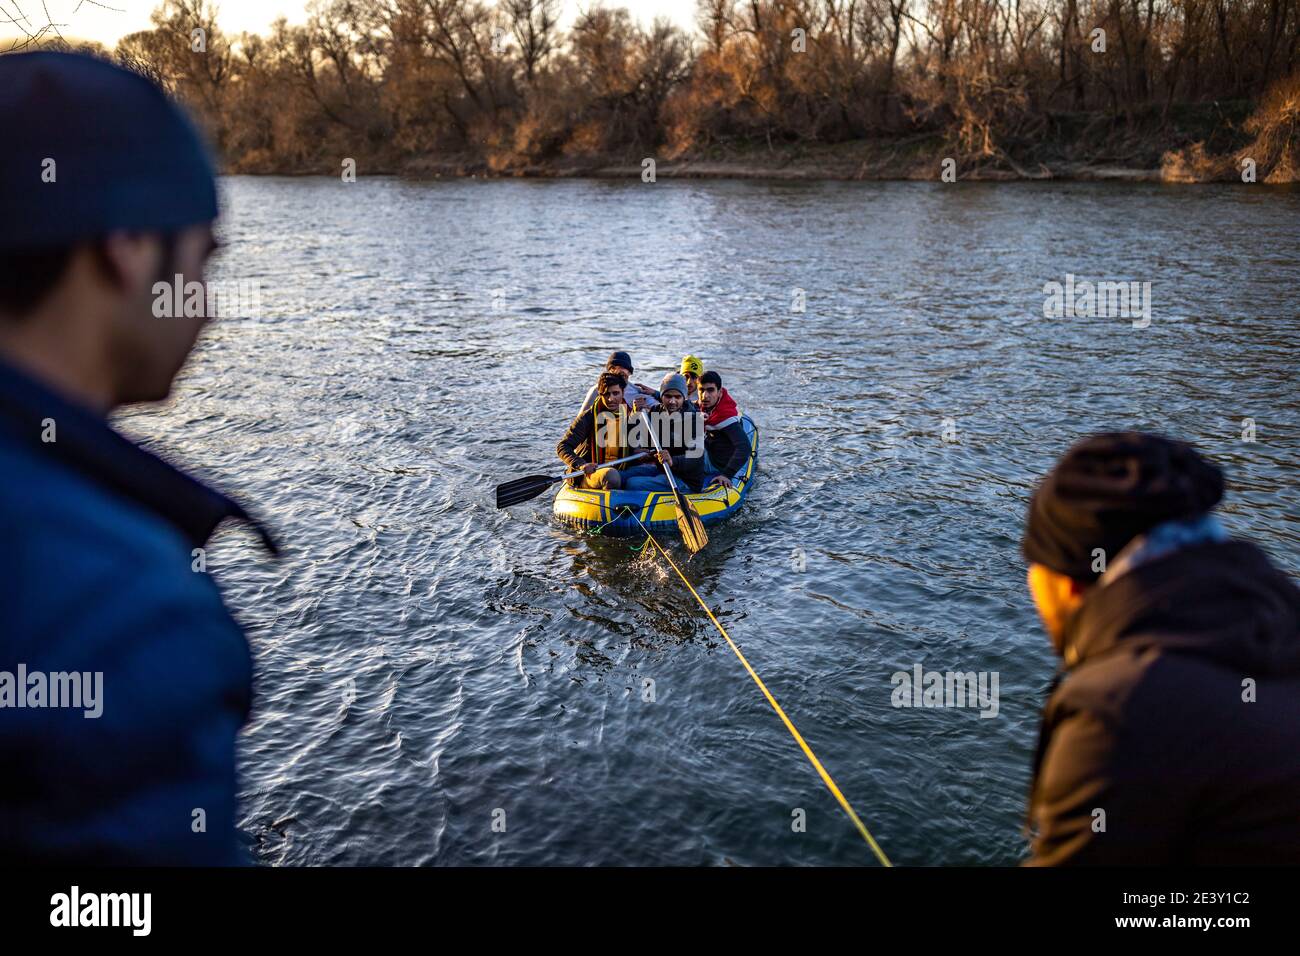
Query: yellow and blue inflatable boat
617	512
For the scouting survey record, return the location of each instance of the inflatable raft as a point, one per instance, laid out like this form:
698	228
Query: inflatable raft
616	512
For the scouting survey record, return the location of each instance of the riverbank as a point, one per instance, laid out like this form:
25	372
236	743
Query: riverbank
1185	143
913	158
1190	145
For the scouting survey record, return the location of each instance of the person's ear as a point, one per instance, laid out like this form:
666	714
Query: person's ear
131	261
1066	592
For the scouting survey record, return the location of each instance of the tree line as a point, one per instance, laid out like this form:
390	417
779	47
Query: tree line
504	86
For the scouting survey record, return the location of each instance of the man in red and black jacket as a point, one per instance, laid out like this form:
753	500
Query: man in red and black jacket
725	440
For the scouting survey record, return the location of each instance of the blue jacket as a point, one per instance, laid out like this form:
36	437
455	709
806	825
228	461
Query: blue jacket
96	576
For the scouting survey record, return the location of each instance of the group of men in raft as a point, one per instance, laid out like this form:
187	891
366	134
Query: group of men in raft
695	420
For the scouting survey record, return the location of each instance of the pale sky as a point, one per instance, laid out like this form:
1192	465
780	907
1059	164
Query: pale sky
81	18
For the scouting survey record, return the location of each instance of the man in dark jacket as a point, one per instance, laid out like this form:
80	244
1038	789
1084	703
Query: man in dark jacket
1171	735
680	433
725	439
597	436
635	396
123	679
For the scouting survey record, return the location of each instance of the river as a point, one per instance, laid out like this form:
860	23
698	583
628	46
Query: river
438	682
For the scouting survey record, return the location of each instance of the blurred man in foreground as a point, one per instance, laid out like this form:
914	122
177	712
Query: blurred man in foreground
1171	734
123	679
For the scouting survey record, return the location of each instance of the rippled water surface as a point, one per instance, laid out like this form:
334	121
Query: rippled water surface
420	342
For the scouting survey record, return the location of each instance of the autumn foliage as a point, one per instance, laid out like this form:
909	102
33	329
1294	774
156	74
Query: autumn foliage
412	84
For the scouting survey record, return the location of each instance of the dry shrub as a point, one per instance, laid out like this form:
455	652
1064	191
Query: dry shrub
1275	150
1276	128
588	139
547	122
1193	164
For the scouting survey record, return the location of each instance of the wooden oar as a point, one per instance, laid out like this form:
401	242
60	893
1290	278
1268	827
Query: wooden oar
688	519
526	489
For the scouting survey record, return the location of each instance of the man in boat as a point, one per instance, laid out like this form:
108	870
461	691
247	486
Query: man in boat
692	368
103	571
1171	733
680	433
637	397
724	436
598	435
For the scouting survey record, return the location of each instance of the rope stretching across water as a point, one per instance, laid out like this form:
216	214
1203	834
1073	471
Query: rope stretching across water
789	725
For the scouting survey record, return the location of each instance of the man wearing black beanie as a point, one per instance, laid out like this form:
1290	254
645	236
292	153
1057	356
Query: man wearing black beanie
124	680
1171	734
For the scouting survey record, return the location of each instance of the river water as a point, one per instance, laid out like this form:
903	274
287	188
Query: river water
438	682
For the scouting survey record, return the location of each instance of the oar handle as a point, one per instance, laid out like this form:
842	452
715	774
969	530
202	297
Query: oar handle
605	464
655	441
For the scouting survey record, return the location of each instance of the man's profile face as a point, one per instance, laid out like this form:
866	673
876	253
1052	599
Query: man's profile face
1057	597
151	349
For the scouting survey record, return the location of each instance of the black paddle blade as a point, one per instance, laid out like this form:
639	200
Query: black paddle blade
694	537
522	489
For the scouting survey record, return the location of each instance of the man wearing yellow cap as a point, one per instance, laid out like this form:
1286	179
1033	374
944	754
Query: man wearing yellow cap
692	368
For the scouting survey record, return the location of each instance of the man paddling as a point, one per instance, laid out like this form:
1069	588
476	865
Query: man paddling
1171	734
681	436
598	435
105	190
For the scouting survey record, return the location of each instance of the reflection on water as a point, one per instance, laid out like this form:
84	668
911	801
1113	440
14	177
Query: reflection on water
425	661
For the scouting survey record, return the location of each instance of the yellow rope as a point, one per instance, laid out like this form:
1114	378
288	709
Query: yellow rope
812	757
